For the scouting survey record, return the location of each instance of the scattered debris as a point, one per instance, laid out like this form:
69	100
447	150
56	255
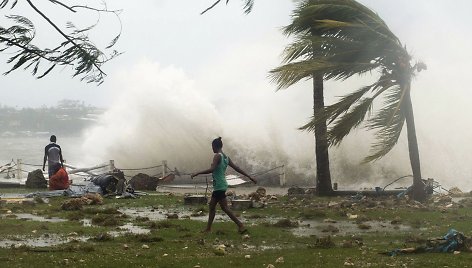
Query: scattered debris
455	191
78	203
452	242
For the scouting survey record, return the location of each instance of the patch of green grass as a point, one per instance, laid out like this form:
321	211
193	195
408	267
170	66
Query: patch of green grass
179	242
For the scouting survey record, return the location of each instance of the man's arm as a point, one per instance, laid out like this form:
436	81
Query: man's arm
238	169
214	164
45	157
60	156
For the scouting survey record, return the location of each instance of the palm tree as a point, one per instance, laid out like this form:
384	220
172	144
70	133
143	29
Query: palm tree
348	38
299	58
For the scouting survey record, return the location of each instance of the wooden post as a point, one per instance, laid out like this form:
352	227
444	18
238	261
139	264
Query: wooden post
282	177
164	168
112	165
18	169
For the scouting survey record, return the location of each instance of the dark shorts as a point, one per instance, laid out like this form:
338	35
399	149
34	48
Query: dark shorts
218	195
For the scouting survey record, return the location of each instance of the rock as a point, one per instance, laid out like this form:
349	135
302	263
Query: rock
36	180
333	204
125	246
172	215
165	255
247	256
219	250
352	216
270	266
254	196
261	191
295	191
246	237
280	260
145	246
143	181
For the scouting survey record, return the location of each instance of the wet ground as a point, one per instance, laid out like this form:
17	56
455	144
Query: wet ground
305	227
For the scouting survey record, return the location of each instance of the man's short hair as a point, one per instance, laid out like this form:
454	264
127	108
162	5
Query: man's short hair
53	138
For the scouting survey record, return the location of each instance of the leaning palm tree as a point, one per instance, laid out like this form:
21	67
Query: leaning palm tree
351	39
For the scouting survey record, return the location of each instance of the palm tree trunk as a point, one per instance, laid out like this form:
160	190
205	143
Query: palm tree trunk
323	176
418	192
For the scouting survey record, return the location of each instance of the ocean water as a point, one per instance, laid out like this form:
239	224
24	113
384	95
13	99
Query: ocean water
31	151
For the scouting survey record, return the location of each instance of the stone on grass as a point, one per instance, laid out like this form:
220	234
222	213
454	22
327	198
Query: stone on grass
36	180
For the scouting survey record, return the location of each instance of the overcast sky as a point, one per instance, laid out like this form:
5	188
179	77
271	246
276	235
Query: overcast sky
221	60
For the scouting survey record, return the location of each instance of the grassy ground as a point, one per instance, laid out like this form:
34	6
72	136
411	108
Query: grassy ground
179	243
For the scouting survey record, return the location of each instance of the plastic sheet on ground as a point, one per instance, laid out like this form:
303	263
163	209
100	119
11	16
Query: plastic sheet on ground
72	191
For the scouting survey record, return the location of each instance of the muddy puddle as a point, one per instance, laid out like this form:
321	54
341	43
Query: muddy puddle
129	228
42	241
31	217
159	214
343	228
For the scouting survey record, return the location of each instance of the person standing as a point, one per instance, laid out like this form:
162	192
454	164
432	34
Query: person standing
53	154
220	185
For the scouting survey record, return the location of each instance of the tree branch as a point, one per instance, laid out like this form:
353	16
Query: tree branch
25	48
212	6
63	34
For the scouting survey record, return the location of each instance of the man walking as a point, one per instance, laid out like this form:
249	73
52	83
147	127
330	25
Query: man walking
52	153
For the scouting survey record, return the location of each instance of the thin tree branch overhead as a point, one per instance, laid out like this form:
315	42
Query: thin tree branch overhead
248	5
74	48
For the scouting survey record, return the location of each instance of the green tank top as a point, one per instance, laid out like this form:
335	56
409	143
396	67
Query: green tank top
219	180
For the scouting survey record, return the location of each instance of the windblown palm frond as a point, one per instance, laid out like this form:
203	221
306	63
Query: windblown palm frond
341	32
352	109
340	39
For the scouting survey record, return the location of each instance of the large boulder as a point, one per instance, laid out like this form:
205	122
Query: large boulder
143	181
36	180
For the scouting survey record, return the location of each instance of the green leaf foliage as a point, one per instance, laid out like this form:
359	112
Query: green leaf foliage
75	50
